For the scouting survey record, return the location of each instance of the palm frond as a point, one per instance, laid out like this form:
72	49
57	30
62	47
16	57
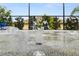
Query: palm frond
75	10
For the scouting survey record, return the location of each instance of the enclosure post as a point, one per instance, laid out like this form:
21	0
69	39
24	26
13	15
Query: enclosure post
29	16
63	16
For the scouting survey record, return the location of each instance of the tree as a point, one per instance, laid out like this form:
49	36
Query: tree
31	22
75	10
5	16
9	21
20	23
45	22
72	22
53	22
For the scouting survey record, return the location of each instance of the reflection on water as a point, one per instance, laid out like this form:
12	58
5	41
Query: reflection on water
55	42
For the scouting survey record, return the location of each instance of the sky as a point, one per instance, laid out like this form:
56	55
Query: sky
40	8
16	8
70	7
48	9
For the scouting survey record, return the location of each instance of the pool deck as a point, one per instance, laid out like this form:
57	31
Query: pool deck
51	42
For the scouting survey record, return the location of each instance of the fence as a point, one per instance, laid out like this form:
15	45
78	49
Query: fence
67	22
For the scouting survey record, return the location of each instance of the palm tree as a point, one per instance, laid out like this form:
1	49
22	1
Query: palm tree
72	22
75	10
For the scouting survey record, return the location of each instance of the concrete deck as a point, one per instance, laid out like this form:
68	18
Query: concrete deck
53	42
